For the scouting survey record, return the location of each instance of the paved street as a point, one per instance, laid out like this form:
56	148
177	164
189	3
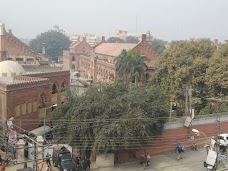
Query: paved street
192	161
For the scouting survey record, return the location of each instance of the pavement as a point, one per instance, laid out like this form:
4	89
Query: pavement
192	161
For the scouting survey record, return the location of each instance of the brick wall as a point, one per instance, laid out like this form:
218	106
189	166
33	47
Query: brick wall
167	141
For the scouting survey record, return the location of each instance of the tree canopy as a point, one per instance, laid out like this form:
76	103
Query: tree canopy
132	39
55	42
108	118
131	66
185	63
159	45
217	72
115	40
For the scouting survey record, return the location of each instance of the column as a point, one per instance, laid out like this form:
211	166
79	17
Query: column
20	156
40	143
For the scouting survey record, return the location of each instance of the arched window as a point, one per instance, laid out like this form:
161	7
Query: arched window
63	87
42	100
54	89
73	58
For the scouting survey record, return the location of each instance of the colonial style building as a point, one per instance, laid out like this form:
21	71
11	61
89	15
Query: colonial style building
70	58
11	48
28	86
28	96
99	65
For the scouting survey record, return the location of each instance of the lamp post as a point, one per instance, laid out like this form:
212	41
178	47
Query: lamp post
54	105
197	132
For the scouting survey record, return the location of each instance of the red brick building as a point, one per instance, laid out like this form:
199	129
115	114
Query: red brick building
25	96
11	48
71	57
27	87
99	64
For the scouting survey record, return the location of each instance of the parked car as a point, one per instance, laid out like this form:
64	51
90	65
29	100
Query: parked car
66	163
223	140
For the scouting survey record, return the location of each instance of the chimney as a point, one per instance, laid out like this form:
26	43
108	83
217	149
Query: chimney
143	37
103	38
10	31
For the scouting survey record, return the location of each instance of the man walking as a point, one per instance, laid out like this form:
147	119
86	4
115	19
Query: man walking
48	156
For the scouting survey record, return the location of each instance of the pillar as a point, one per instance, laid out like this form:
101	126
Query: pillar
20	153
40	143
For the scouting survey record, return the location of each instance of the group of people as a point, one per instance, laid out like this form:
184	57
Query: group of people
86	163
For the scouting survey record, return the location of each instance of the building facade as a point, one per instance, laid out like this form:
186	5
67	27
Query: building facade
11	48
100	64
71	57
28	96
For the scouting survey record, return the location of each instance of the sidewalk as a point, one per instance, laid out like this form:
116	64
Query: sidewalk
192	161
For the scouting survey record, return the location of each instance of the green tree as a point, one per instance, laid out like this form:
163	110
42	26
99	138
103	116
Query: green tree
159	45
185	63
115	40
217	72
55	42
132	39
108	118
130	65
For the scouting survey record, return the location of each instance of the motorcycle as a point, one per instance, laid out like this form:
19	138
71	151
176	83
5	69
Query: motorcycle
193	147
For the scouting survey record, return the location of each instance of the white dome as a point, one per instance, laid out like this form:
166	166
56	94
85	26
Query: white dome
10	68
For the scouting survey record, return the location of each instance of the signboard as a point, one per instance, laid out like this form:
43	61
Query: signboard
187	121
211	157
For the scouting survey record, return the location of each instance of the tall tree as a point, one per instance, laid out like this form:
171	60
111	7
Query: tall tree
159	45
109	118
131	65
185	63
55	42
217	72
132	39
115	40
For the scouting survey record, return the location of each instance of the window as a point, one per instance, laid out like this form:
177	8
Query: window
54	89
63	87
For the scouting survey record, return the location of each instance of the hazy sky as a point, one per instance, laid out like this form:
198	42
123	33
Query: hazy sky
166	19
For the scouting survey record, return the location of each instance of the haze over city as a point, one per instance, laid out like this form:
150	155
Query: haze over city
166	19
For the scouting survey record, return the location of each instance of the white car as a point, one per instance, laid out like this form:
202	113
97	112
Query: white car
223	139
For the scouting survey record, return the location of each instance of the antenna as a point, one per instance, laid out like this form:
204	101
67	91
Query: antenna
136	25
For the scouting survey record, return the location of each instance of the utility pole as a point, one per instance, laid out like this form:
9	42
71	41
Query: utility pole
35	161
186	100
190	99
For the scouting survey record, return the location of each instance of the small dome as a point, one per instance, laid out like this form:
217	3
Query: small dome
10	68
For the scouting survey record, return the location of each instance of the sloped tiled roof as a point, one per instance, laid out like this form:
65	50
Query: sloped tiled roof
113	49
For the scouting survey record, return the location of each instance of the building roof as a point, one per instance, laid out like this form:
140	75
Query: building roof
113	49
11	68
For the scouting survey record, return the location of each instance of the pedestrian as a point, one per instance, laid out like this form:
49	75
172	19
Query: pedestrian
147	159
78	160
0	159
25	165
88	164
48	156
3	165
180	151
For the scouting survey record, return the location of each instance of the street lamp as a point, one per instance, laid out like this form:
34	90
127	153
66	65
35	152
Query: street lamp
54	105
197	132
